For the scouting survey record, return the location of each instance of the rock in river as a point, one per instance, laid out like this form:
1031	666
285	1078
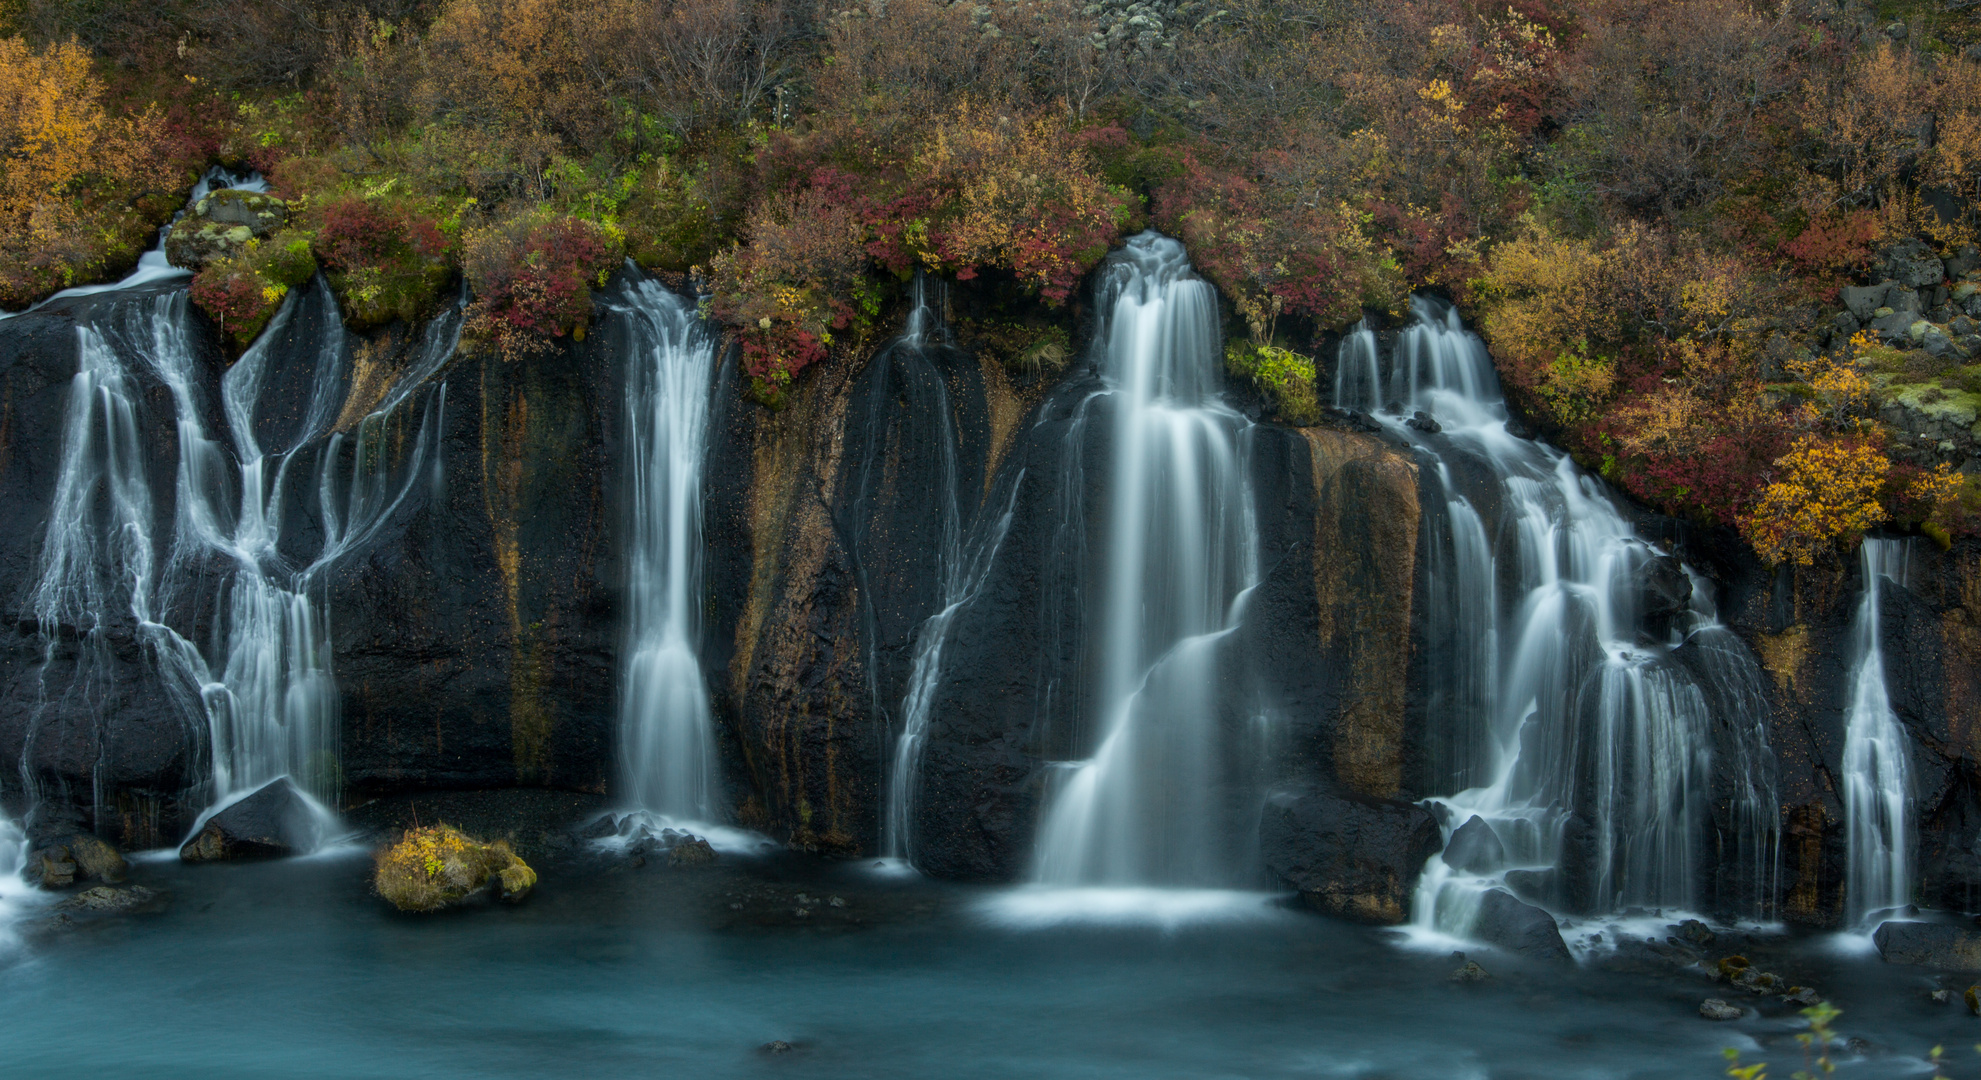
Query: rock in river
1520	928
276	820
1940	945
1356	858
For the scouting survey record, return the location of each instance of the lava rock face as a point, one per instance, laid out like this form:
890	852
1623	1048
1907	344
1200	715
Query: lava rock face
1356	858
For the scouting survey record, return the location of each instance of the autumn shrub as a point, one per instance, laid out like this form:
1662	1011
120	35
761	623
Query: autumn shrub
77	183
242	293
385	260
532	278
1825	491
1274	251
979	192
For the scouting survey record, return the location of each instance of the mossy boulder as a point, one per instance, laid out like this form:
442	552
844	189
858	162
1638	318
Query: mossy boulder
439	867
82	857
221	225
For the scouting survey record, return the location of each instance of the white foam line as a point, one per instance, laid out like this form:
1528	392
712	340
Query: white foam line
1035	907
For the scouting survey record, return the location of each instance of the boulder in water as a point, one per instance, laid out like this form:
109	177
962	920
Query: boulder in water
1715	1009
440	867
1356	858
96	860
1533	886
1940	945
60	863
1663	593
1518	928
276	820
1475	848
693	851
50	867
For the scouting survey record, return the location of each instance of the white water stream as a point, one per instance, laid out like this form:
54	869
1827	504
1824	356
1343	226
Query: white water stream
964	564
666	729
1180	555
1877	795
261	681
1568	725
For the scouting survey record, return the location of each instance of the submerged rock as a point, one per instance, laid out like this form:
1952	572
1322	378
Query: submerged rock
81	857
106	900
1517	927
276	820
1475	848
694	851
440	867
1355	858
1940	945
1715	1009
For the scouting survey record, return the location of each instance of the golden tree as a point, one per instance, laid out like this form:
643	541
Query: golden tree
1825	490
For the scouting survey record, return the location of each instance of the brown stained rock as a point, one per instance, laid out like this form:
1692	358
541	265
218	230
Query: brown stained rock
1366	522
799	668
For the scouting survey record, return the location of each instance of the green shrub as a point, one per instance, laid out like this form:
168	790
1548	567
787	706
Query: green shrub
1285	378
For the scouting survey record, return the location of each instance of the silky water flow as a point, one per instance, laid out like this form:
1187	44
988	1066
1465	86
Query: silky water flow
262	682
1566	723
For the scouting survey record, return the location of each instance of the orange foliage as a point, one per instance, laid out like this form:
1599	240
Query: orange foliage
63	158
1826	491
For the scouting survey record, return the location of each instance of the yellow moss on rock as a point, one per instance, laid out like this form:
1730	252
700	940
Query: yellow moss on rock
440	866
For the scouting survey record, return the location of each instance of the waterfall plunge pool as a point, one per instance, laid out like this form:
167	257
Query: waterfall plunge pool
292	969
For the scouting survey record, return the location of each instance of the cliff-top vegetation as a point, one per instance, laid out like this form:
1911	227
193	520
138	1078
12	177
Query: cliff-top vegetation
1650	210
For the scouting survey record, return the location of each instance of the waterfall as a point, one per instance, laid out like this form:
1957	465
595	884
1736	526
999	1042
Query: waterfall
261	682
666	728
963	565
1566	711
1877	793
1180	554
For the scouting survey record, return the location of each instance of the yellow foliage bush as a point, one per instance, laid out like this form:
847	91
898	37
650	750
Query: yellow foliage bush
68	169
1825	491
439	866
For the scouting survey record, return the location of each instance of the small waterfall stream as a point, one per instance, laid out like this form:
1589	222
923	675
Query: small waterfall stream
1877	793
1567	722
964	563
1180	553
261	682
666	728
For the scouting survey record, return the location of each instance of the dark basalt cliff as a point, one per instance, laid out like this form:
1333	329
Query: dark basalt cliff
476	633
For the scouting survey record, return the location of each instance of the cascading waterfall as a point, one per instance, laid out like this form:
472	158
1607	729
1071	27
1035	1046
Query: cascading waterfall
963	563
1567	722
1877	793
1181	553
667	730
263	682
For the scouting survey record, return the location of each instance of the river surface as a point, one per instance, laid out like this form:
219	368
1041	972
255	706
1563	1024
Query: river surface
291	969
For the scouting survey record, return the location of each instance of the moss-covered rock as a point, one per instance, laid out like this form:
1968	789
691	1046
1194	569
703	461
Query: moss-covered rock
440	867
221	225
